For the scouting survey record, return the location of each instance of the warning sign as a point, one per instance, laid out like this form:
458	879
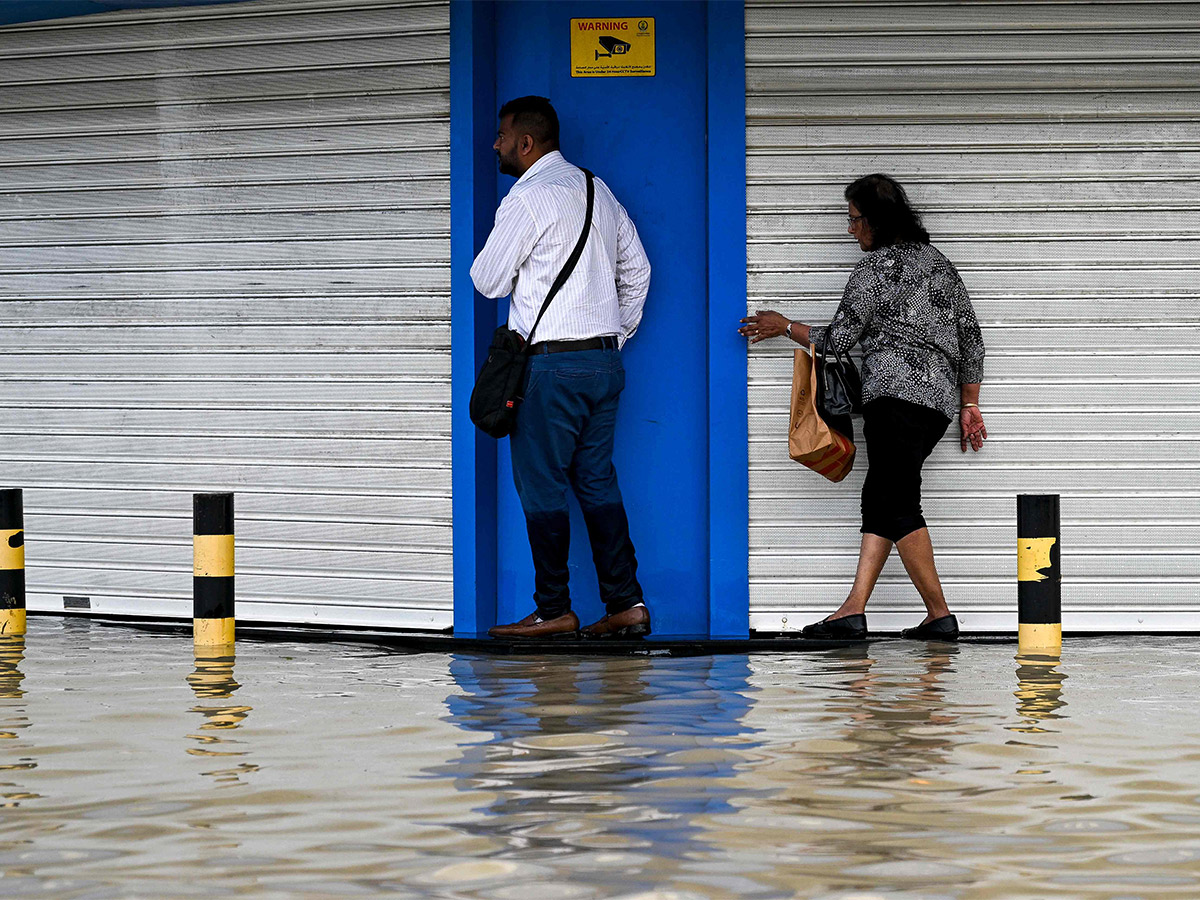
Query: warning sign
612	47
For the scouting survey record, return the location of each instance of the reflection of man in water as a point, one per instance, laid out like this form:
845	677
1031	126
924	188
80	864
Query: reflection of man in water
615	755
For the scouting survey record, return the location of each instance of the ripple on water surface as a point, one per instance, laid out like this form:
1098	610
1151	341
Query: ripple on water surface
130	769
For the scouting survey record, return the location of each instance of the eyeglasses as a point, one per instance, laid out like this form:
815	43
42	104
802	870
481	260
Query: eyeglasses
853	220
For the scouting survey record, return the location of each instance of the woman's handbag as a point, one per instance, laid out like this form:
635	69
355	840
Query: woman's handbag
811	440
839	388
497	395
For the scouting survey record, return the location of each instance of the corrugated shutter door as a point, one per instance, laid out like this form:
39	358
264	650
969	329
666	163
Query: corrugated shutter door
1055	150
224	261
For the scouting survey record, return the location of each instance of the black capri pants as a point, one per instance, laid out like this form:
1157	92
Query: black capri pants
900	436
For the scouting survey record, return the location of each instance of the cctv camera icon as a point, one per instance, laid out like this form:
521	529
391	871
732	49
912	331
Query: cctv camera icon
614	46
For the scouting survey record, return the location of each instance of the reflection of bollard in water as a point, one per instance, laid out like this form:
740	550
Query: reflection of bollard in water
12	562
1039	690
213	680
212	572
13	720
213	677
12	651
1039	579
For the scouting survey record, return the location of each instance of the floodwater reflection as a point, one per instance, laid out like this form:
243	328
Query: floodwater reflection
1039	691
213	680
14	755
891	770
609	760
855	769
12	651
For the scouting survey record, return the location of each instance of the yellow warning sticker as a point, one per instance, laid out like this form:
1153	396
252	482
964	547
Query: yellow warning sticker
611	48
1033	556
12	549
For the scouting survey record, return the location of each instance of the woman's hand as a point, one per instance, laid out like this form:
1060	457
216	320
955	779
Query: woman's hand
765	323
974	432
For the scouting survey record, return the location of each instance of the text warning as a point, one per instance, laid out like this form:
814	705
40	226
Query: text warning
611	48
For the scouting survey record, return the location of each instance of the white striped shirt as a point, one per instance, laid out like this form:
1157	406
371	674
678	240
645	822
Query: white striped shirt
536	228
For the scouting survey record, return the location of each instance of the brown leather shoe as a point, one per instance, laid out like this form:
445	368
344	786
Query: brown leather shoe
532	627
631	623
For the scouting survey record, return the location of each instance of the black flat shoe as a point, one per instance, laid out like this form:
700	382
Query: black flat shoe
943	629
847	628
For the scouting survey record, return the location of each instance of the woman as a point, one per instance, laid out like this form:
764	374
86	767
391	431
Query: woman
922	366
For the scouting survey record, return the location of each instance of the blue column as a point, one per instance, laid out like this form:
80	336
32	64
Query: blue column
672	149
472	318
728	432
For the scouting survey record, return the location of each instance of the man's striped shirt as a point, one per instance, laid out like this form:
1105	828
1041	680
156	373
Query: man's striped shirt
536	228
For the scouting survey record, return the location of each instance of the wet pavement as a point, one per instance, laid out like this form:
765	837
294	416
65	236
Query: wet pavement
129	769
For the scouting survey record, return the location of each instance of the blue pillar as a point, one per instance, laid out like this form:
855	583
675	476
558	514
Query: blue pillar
728	431
472	319
672	149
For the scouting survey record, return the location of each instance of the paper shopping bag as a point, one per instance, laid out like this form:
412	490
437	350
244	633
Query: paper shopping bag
811	441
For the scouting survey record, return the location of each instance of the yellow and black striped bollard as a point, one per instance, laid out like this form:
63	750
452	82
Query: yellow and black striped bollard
12	562
212	571
1039	580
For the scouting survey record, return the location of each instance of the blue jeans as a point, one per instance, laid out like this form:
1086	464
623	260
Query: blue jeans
564	439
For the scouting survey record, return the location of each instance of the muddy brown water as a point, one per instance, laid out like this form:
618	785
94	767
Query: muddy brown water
128	769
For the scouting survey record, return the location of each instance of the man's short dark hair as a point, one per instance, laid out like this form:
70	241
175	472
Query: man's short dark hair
534	116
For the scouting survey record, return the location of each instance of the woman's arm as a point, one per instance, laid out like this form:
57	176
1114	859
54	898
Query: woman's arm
849	322
766	323
860	299
970	366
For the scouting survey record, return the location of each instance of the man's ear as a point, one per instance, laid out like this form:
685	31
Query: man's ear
527	144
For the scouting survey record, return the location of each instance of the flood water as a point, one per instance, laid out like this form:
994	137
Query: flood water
895	770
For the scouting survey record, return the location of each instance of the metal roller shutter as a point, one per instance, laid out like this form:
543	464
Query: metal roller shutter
1055	150
224	265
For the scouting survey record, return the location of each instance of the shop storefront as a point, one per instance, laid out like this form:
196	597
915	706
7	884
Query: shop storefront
235	242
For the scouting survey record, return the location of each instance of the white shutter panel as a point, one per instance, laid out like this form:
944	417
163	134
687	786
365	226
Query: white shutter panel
224	265
1055	150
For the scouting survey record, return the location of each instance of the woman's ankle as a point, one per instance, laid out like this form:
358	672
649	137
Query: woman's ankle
849	609
936	612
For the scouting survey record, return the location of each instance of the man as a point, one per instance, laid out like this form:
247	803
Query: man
566	425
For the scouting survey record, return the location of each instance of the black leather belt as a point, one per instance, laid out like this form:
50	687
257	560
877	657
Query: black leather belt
608	342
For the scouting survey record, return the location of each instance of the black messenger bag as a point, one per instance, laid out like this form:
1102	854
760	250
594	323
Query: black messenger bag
497	395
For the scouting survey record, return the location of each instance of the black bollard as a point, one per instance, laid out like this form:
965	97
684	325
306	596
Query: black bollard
1039	580
212	571
12	562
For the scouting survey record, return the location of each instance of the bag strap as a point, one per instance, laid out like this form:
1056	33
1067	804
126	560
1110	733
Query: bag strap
569	266
837	354
825	344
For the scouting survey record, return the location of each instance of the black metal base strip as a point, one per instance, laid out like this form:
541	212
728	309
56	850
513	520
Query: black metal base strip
427	642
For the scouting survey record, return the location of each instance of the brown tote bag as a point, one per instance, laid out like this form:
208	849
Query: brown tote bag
811	441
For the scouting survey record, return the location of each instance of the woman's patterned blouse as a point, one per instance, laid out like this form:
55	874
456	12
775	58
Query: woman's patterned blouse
919	334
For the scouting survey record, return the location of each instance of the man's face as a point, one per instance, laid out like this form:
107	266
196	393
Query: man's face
506	148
